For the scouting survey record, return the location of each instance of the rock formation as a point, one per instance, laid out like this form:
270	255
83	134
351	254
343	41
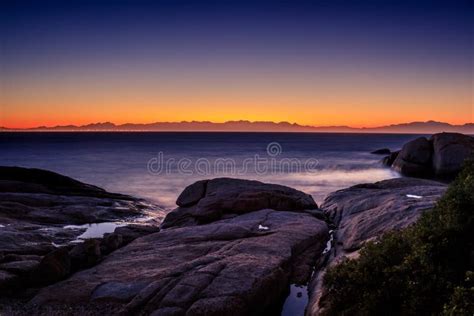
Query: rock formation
209	200
231	247
234	250
364	212
440	157
36	207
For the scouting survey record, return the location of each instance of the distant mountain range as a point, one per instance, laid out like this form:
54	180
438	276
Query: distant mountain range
428	127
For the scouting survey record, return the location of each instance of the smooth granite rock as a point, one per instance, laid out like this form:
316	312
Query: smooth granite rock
440	157
365	211
415	158
192	193
228	267
449	152
230	197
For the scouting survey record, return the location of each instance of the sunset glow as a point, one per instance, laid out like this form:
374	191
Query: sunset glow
205	64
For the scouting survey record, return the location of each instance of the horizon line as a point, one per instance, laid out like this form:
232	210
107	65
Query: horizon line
414	127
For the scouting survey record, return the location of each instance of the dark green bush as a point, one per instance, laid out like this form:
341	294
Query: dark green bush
423	270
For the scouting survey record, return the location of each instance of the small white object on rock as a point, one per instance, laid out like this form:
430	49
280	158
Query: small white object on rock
414	196
263	227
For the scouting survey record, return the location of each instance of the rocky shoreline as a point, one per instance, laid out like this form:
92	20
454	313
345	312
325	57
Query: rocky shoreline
43	217
231	247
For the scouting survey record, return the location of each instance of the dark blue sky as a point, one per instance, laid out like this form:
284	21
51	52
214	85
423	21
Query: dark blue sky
386	31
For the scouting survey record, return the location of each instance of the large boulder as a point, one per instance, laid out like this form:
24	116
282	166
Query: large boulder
449	152
209	200
415	158
440	157
237	258
364	212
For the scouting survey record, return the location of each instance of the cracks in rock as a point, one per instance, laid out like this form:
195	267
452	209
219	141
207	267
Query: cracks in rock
151	298
197	296
182	282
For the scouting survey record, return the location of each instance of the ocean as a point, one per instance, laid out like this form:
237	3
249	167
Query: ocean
157	166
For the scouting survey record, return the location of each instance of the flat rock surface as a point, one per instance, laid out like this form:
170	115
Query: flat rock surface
236	266
365	211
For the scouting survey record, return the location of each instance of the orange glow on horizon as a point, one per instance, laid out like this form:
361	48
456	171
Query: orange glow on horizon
145	119
341	98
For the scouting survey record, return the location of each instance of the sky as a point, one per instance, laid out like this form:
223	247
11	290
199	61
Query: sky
355	63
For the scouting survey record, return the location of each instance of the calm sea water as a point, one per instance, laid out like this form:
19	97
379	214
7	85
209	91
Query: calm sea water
157	166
